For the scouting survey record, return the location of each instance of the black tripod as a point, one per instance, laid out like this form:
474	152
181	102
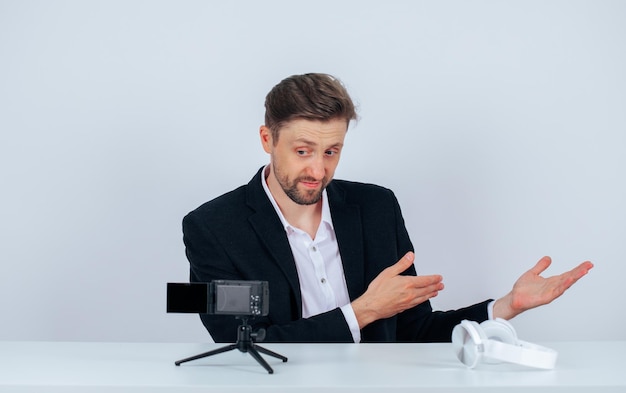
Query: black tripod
244	344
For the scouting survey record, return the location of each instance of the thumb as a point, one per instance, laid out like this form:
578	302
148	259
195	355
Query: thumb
404	263
541	265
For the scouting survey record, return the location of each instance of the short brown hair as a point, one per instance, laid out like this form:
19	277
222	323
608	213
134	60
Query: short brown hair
312	96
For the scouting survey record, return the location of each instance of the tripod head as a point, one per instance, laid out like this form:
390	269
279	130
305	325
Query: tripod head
245	336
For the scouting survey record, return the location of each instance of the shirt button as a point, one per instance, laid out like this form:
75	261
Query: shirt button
314	249
323	280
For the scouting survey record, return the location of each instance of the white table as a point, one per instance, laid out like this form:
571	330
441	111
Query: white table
322	368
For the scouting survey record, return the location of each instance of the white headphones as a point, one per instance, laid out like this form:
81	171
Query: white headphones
496	340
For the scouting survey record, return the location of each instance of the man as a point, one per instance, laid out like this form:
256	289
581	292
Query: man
336	254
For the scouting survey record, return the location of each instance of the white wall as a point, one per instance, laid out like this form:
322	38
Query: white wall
500	125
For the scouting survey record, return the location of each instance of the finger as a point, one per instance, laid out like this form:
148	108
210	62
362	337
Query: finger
427	293
541	265
425	281
577	273
583	268
404	263
424	291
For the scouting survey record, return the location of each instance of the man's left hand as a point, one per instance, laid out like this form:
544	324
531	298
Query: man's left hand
532	290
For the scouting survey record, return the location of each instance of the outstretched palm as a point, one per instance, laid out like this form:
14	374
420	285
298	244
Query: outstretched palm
532	290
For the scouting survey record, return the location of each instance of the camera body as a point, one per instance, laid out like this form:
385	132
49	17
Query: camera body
219	297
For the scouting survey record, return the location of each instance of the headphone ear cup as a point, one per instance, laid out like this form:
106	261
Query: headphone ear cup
468	341
498	330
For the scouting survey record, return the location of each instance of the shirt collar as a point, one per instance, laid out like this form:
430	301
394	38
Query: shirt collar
326	217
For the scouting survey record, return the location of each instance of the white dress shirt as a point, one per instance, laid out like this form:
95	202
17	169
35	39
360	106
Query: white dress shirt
320	270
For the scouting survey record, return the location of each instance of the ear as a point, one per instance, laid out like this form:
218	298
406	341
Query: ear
266	139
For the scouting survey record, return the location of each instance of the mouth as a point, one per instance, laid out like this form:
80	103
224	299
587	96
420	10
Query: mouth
310	184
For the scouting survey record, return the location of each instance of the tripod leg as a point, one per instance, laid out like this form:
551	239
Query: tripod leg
252	351
205	354
270	353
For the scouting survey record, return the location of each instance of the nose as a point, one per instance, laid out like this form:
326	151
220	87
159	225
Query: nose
316	167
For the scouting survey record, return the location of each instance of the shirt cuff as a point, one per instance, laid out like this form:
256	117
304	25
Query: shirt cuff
353	324
490	309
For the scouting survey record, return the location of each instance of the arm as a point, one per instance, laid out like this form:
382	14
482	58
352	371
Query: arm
391	293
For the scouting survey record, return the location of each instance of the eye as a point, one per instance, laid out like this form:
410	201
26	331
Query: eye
301	152
331	153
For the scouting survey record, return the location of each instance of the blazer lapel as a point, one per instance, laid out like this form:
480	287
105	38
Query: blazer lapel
270	231
348	229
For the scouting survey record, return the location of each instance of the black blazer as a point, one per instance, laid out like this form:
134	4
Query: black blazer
239	236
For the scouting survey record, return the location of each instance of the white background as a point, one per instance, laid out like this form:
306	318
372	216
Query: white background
500	125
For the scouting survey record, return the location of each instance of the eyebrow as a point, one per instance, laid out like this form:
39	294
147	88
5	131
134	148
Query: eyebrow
311	143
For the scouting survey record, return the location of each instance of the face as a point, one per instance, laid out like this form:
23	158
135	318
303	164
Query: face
304	159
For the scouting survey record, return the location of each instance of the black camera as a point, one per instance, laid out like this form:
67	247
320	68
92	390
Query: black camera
242	299
219	297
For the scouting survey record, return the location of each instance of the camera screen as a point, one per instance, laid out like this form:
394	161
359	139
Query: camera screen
232	299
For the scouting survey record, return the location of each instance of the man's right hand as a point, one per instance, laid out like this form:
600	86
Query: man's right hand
391	293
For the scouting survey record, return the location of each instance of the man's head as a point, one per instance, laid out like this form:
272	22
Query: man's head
312	96
306	119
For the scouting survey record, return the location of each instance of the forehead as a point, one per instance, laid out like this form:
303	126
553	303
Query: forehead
314	131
